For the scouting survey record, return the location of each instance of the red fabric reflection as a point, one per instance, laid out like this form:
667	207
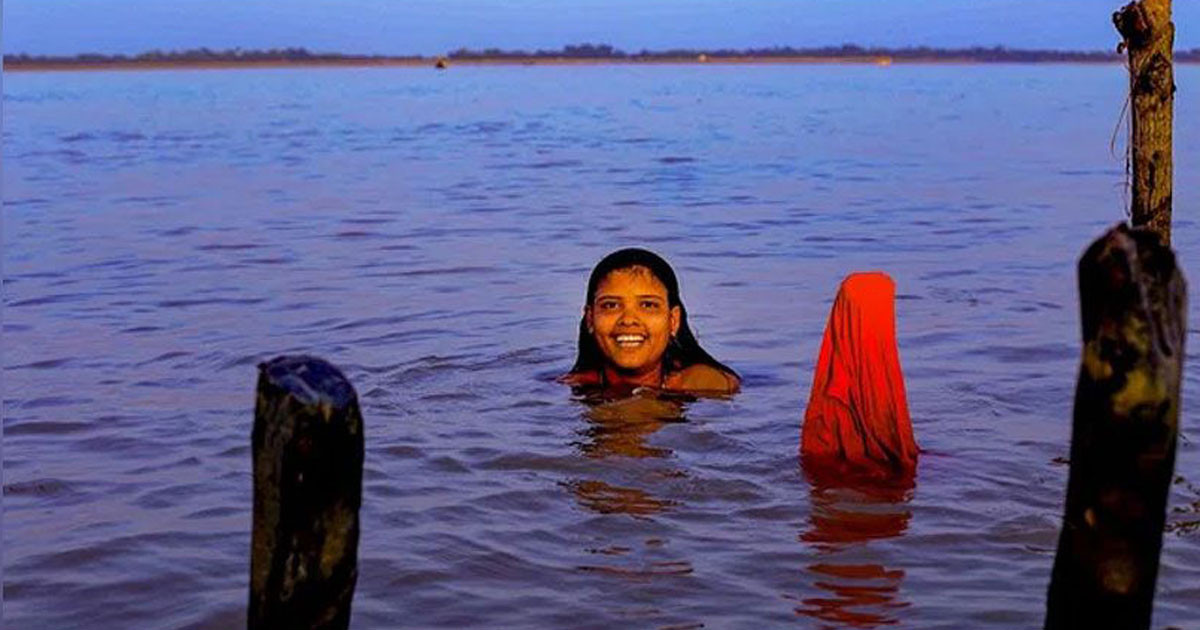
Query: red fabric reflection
854	504
857	410
854	587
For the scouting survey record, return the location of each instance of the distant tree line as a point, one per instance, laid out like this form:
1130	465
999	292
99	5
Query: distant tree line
590	51
571	51
196	55
978	53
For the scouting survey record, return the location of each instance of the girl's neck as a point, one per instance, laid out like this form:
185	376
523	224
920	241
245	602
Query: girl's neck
612	377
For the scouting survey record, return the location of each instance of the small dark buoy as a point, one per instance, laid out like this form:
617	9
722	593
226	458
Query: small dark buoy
440	64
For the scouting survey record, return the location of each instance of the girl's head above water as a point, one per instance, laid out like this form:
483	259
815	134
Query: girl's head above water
634	330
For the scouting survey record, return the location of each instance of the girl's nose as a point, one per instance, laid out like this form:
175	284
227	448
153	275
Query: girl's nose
628	316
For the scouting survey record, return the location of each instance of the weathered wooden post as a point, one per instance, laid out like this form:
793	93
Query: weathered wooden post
1133	308
1149	36
308	457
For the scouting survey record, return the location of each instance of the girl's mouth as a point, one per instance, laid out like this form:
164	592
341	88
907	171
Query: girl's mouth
630	340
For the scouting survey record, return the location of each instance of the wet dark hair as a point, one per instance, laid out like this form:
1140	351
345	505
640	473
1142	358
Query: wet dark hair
682	351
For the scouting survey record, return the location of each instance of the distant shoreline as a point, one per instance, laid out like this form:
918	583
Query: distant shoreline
53	66
577	54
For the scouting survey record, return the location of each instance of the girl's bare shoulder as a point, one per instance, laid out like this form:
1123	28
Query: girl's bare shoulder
580	378
702	378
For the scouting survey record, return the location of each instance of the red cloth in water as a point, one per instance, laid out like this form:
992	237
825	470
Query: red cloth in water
857	410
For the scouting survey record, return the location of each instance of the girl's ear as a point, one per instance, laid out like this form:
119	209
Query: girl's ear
587	318
676	315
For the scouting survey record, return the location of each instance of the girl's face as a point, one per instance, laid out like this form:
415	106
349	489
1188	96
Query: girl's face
631	319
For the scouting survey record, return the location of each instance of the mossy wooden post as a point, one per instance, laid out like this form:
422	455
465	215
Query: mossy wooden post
308	457
1133	308
1149	37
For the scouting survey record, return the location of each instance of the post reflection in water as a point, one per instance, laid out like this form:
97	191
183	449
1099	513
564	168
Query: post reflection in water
851	508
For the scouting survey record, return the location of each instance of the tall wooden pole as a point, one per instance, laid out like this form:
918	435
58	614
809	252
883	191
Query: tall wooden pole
1133	306
1149	37
308	458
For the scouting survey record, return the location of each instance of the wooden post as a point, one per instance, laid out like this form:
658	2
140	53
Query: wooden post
1133	308
1149	36
308	457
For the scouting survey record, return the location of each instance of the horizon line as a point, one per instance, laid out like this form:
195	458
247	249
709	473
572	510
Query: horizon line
582	49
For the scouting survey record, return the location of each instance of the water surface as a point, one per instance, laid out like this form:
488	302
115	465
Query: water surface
431	233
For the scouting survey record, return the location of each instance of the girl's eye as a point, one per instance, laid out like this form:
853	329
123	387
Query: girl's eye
608	305
649	305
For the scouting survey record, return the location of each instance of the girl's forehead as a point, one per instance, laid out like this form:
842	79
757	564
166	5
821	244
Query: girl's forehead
636	279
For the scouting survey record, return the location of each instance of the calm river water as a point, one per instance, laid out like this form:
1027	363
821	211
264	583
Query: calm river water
431	233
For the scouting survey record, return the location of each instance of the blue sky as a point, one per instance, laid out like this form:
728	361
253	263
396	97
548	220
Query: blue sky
437	26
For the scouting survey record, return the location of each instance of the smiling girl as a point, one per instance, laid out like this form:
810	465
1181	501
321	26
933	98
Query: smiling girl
634	332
